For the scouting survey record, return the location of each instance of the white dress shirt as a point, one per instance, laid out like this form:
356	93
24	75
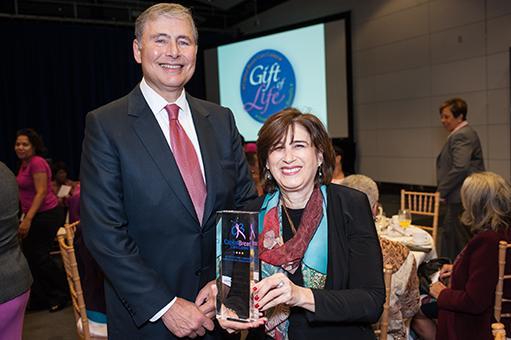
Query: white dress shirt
157	105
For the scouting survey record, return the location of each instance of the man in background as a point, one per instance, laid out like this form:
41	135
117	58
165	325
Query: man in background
460	156
156	166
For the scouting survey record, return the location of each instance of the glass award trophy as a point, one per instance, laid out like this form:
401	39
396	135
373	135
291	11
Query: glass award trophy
237	265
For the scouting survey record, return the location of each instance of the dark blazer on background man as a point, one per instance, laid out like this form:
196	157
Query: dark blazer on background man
354	291
461	156
15	274
137	217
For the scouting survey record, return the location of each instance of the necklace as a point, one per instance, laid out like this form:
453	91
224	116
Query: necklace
291	224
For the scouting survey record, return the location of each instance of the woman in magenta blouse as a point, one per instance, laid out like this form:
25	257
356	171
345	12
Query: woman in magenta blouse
42	218
465	306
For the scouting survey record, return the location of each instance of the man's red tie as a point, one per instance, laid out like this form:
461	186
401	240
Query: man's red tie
187	161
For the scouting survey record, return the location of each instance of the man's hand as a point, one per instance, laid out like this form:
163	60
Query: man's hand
206	299
184	319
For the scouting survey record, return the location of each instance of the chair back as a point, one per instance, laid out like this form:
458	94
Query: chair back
424	204
498	331
499	289
65	237
383	323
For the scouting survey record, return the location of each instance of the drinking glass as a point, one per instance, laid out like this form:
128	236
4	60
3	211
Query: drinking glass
405	218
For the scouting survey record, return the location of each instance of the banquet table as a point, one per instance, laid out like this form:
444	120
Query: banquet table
416	239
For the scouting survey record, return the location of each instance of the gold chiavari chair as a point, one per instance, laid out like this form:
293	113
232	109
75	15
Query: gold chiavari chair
383	323
424	204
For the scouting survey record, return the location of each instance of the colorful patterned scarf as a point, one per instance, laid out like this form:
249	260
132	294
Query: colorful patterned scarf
308	248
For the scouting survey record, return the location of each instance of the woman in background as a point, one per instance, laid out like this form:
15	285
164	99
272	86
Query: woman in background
14	272
321	263
60	173
42	218
251	154
338	175
465	307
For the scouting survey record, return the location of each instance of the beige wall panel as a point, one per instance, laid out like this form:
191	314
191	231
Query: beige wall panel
446	14
498	70
496	8
370	166
400	170
458	43
368	116
372	9
498	106
461	76
388	29
403	113
414	83
406	54
368	141
499	34
498	147
405	143
500	167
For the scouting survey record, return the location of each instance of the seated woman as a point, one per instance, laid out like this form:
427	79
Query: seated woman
321	264
465	307
404	292
60	173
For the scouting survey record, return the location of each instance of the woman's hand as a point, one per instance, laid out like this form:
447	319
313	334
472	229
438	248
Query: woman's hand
24	227
445	271
436	288
278	289
236	326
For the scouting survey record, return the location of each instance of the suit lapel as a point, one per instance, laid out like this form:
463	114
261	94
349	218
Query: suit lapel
209	151
149	132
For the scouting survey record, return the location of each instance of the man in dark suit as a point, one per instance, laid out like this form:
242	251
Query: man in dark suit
156	166
460	156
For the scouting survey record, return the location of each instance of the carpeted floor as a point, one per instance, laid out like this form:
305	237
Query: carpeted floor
43	325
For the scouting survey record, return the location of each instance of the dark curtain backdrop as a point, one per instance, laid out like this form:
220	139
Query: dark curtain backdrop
53	73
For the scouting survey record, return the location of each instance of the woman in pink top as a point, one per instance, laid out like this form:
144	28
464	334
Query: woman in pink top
43	217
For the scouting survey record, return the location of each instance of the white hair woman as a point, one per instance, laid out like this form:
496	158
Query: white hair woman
465	308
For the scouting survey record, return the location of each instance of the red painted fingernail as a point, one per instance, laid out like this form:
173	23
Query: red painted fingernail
254	289
256	305
256	297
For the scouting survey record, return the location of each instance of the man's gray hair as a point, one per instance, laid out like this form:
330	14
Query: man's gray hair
364	184
169	10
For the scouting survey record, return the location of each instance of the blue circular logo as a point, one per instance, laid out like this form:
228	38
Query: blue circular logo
268	84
